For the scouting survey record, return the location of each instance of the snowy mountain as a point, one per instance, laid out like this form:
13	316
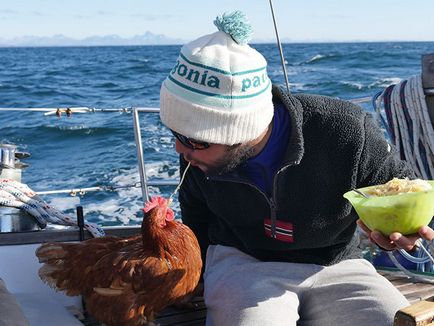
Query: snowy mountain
61	40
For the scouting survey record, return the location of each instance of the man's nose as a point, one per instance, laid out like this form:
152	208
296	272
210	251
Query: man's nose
181	149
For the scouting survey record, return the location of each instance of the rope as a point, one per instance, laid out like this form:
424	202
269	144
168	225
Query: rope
403	112
19	195
413	276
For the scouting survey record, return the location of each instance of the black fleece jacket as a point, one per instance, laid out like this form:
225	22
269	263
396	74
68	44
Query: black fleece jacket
335	146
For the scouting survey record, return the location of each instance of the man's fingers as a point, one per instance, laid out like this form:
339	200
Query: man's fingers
377	237
396	239
363	226
426	233
382	241
404	242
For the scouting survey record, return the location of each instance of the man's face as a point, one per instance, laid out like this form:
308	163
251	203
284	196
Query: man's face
216	159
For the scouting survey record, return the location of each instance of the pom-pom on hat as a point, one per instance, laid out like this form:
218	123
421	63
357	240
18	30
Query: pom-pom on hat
219	91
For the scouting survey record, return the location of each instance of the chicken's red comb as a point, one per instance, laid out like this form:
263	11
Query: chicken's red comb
154	202
159	201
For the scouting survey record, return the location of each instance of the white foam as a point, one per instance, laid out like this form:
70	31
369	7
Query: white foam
355	85
64	203
317	57
109	209
386	82
124	205
279	72
47	184
298	86
151	128
129	201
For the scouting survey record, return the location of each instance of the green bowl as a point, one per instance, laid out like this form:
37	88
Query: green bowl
404	213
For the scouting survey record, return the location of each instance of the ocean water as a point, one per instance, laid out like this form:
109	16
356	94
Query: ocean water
98	149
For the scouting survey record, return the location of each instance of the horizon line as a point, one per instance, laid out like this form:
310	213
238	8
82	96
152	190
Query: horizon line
162	39
251	43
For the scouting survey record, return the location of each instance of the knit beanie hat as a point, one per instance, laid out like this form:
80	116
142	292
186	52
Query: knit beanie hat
219	91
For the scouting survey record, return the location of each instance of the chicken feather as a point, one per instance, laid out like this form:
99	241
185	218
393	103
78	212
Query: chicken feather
127	281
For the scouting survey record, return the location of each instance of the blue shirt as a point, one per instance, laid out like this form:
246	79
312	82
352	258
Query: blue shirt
261	168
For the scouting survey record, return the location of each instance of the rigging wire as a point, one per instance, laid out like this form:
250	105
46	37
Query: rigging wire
279	45
83	190
73	110
84	109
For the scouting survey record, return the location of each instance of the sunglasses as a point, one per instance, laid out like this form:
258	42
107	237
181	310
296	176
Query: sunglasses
190	143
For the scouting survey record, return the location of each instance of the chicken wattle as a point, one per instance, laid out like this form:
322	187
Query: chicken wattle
127	281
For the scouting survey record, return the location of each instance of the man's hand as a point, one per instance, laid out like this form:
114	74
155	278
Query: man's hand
396	240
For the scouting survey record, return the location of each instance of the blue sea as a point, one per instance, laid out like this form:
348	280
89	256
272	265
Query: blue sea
98	149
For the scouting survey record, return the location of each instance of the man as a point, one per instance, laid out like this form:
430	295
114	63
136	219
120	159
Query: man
264	193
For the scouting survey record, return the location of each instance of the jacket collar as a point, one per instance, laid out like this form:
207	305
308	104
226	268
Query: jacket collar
295	150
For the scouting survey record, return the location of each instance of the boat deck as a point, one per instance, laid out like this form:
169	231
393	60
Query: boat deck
171	316
413	291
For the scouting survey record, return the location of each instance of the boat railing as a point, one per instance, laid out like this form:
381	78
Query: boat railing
144	181
135	111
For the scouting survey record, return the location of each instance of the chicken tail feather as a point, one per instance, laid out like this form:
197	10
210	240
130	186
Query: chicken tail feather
50	251
108	292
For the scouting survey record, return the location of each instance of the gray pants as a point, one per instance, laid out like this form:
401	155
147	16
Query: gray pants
11	313
240	290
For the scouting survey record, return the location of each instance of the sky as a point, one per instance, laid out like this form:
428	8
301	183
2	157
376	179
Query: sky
303	20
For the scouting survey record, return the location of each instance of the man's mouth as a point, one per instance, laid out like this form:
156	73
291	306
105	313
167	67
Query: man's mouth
192	162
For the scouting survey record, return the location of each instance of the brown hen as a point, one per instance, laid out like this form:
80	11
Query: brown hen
126	281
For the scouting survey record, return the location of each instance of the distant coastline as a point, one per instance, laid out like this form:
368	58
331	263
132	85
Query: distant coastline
147	38
60	40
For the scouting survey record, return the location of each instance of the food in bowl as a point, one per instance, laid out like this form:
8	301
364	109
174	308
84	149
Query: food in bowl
400	205
399	186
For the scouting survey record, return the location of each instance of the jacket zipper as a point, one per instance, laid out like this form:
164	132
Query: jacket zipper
271	201
273	208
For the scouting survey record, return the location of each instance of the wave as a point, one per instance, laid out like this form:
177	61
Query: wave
76	129
111	212
127	203
113	208
64	204
15	88
107	85
353	85
135	60
320	57
385	82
